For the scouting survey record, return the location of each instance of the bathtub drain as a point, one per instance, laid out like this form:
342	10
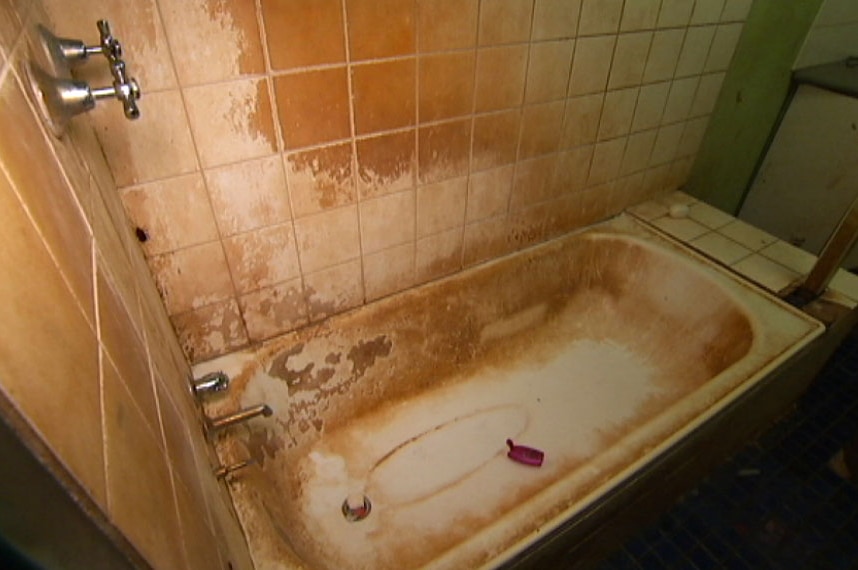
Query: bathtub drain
356	507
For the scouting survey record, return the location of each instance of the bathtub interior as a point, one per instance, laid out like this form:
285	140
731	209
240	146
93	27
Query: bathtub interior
597	348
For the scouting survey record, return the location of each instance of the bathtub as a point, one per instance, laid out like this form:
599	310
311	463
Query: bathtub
603	349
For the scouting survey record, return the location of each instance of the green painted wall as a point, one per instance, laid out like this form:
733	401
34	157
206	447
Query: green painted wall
753	92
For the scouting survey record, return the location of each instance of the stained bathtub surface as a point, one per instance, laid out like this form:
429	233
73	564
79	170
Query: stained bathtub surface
600	349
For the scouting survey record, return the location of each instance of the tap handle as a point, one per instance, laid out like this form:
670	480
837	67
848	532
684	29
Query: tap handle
107	44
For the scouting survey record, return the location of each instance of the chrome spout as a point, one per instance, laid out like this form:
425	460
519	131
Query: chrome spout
228	420
211	382
835	250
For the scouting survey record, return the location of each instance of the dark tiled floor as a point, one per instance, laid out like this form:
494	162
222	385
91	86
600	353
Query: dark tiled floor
775	504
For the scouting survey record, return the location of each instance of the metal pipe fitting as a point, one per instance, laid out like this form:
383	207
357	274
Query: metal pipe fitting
228	420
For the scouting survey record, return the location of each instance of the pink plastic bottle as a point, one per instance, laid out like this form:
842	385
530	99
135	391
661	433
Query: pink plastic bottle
524	454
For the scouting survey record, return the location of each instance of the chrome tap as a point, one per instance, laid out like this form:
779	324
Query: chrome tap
227	420
211	382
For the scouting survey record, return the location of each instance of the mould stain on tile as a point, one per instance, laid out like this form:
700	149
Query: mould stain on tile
321	179
251	118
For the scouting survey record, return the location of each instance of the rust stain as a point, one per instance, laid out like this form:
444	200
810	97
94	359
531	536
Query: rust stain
364	354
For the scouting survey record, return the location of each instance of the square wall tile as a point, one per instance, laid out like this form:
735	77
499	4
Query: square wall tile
639	15
501	74
137	147
386	164
666	144
321	179
174	213
707	94
692	137
664	55
723	46
488	193
548	71
630	59
682	92
438	255
328	238
495	139
441	206
274	310
231	121
591	64
389	271
617	113
674	13
555	19
539	132
581	121
302	33
572	170
313	107
650	106
485	239
380	28
384	95
192	278
505	21
706	12
534	182
444	150
138	479
387	221
262	257
211	330
446	24
334	289
638	150
607	159
229	32
736	10
600	17
446	86
197	538
695	49
248	195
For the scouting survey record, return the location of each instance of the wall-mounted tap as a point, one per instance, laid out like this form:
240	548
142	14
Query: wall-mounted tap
211	382
227	420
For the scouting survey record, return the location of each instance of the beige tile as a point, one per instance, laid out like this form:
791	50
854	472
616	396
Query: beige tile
650	106
678	107
753	238
505	21
444	151
553	19
211	330
533	182
664	53
313	107
138	479
581	122
231	121
709	216
441	206
548	71
656	180
303	33
600	17
720	248
274	310
573	168
229	33
707	94
446	86
736	10
380	28
386	164
321	179
674	13
495	139
638	150
387	221
706	12
591	64
692	58
666	144
766	273
261	258
328	238
684	229
539	132
46	337
488	193
334	289
438	255
173	213
192	278
630	59
136	147
38	181
692	136
446	24
789	256
230	537
501	74
389	271
639	15
484	240
384	95
248	195
617	113
723	46
607	159
197	538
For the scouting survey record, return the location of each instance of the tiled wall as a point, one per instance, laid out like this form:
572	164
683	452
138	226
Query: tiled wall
297	158
87	357
834	35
